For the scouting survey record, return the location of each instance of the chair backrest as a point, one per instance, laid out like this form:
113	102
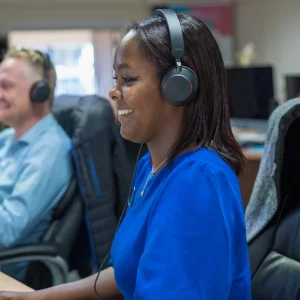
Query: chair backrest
274	253
62	233
102	168
66	221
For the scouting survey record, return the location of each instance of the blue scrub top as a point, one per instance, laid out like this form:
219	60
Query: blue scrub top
185	237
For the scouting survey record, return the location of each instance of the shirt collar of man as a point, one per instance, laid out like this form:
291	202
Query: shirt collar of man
32	134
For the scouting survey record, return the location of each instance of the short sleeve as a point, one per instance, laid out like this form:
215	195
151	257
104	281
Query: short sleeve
189	250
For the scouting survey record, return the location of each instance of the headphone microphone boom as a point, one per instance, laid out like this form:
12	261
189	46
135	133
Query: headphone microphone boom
179	84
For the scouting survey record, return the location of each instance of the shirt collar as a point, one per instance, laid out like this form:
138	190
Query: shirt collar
32	134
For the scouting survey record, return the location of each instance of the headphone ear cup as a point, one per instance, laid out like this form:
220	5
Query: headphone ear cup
40	91
179	88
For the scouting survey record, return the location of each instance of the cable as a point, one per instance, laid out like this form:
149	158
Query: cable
119	222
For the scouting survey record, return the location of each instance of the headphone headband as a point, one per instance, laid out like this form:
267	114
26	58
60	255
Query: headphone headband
175	31
179	84
46	62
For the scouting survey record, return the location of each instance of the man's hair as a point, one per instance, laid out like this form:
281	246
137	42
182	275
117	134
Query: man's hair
36	59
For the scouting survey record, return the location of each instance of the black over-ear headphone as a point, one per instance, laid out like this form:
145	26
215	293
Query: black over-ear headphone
179	84
40	90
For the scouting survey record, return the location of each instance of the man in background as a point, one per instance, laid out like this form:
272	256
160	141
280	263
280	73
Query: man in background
35	162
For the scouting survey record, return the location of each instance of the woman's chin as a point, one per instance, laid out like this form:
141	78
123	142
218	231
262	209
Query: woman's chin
125	133
130	136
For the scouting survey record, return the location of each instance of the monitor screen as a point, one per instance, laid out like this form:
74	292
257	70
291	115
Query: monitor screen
250	92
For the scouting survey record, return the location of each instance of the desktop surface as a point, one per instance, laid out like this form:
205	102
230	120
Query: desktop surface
9	284
250	133
258	125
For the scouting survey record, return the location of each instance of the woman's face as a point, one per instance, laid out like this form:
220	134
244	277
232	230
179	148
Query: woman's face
141	109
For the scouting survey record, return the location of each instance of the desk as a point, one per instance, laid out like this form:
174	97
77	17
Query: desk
247	178
9	284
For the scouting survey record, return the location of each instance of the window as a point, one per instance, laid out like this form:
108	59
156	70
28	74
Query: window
82	58
72	53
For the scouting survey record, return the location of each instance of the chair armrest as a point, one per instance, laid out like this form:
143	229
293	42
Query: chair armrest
47	254
28	250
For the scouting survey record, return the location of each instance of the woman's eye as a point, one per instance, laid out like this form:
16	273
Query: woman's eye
129	79
126	79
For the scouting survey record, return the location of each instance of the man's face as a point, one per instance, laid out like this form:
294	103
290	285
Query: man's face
16	79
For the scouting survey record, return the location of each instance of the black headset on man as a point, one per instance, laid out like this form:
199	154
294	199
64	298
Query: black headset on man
179	86
40	90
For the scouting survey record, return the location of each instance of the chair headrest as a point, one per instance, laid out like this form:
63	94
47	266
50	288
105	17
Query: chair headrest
83	116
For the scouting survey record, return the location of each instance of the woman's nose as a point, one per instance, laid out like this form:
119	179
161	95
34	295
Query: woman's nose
115	94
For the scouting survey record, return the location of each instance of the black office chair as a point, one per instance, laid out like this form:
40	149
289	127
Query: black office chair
84	222
49	259
275	253
102	169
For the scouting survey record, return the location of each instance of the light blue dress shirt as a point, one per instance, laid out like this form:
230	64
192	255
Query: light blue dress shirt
35	172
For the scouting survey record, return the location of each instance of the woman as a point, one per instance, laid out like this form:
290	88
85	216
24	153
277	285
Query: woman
183	236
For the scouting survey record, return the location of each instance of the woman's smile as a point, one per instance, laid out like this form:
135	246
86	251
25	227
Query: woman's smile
124	114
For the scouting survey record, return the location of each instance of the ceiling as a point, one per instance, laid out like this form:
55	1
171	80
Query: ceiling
118	2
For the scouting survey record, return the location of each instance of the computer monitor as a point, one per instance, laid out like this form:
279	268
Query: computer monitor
292	86
250	92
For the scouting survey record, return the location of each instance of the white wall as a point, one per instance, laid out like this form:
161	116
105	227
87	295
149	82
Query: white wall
273	25
68	14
